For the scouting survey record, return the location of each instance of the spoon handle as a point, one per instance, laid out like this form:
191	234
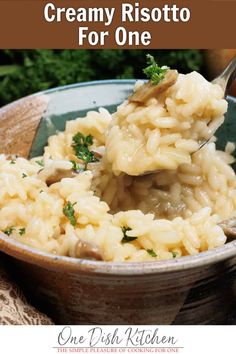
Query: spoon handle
226	78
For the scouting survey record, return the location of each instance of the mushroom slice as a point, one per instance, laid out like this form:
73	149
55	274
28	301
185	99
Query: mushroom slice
148	90
97	154
55	170
229	227
88	250
58	174
11	157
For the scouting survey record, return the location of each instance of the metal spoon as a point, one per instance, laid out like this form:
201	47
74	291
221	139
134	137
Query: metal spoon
226	78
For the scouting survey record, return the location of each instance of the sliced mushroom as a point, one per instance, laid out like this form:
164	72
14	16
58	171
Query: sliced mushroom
55	170
58	175
229	227
97	154
88	250
147	91
11	157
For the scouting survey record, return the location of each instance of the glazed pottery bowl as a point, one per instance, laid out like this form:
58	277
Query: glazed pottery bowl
197	289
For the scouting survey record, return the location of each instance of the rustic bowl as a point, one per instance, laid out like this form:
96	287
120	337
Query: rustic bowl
190	290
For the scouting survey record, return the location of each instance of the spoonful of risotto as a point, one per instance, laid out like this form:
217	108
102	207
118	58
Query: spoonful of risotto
166	119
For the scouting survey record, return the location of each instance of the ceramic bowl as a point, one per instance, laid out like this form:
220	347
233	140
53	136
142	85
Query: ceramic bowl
190	290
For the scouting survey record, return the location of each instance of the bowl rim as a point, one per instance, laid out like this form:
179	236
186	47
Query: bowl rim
34	256
55	262
91	83
82	84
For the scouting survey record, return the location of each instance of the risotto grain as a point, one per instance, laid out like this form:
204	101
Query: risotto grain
163	132
118	216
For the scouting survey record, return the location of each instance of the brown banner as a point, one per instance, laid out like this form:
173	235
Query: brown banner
211	24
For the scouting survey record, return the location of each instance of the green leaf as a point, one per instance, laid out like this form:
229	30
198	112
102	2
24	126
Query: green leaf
22	231
89	140
69	212
8	69
126	238
81	145
76	167
154	72
152	253
9	231
174	254
40	163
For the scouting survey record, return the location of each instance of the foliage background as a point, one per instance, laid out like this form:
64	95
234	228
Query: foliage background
23	72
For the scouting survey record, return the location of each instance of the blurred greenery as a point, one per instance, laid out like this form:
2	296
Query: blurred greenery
23	72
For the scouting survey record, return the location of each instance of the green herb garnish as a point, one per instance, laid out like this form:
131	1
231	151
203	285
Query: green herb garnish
69	212
152	253
81	145
22	231
76	167
12	162
126	238
24	175
9	231
40	163
154	72
174	254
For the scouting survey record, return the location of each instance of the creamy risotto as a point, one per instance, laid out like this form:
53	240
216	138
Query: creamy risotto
163	131
89	195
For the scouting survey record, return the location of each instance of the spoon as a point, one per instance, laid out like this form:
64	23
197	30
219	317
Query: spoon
226	78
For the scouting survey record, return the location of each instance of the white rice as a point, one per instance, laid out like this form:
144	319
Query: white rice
168	213
162	133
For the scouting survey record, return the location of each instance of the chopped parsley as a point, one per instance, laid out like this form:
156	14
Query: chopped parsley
174	254
41	191
22	231
151	253
126	238
9	231
76	167
69	212
24	175
12	162
81	145
40	163
154	72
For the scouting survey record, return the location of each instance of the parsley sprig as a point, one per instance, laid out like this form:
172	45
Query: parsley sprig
75	166
9	231
40	162
127	238
81	145
69	212
174	254
151	252
22	231
154	72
